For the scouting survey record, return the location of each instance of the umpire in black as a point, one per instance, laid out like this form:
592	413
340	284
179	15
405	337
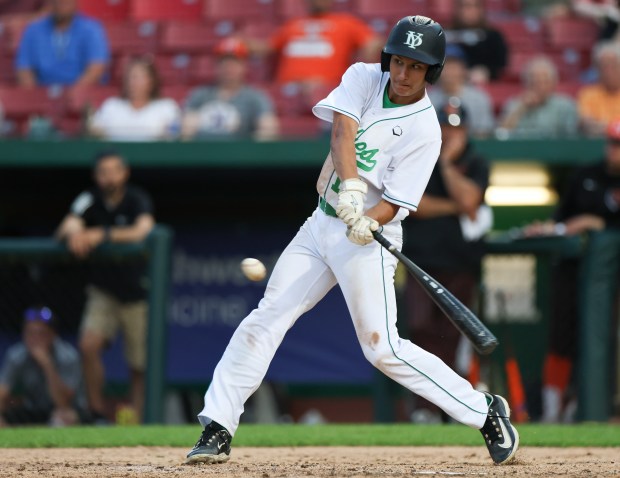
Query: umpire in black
113	211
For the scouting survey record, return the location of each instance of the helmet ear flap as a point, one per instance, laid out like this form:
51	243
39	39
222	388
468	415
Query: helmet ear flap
433	73
385	61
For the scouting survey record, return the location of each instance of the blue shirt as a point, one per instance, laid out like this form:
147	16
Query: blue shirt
60	57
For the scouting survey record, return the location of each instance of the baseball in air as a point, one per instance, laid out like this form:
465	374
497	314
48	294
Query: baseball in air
253	269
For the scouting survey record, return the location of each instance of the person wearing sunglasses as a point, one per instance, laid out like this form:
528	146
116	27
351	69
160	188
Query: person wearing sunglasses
40	377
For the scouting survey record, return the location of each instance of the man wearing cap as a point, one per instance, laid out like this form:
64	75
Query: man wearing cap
590	203
229	109
444	237
454	82
45	370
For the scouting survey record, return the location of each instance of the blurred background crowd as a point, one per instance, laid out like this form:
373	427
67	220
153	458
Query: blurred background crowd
156	69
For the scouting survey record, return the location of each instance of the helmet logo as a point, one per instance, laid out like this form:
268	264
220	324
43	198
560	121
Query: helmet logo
414	39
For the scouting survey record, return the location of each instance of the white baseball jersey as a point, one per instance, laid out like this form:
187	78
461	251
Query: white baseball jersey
396	148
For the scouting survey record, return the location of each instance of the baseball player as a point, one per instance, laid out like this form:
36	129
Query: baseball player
384	144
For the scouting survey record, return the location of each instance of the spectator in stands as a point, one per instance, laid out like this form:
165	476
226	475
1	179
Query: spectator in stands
447	231
115	212
484	46
454	82
540	112
139	114
45	374
315	50
230	109
605	12
590	203
599	103
63	48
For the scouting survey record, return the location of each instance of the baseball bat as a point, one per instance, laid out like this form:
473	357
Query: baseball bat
461	317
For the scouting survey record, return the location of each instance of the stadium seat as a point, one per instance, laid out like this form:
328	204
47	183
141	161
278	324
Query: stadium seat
166	9
396	9
12	35
175	69
20	103
521	34
184	37
441	11
132	37
577	33
203	71
79	101
287	9
7	69
300	127
500	92
105	9
502	7
178	93
249	10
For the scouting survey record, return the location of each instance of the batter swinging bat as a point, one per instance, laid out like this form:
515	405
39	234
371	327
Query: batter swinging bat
460	316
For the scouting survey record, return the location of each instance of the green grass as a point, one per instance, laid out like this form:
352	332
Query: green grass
301	435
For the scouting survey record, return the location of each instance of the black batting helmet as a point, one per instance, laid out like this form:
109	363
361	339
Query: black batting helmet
420	38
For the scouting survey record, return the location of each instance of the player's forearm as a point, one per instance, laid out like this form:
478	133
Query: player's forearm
383	212
342	146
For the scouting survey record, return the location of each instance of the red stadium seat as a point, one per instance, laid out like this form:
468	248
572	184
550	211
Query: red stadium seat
502	7
250	10
441	11
577	33
166	9
12	35
395	9
300	127
175	69
105	9
178	93
203	71
296	8
132	37
194	37
20	103
500	92
78	101
7	69
521	34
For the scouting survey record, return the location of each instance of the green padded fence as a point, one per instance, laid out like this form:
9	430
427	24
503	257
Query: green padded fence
157	250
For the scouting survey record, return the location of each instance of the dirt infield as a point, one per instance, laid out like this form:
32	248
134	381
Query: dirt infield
308	462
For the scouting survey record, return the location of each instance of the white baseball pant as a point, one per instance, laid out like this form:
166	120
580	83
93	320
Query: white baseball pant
318	257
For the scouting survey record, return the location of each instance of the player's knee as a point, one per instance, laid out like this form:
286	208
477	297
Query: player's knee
91	344
378	355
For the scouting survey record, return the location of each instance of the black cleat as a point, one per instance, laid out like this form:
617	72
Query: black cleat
501	438
213	446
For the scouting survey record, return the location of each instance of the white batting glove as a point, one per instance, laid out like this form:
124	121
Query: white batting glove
351	200
361	231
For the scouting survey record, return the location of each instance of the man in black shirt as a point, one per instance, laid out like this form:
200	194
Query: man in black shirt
444	237
590	203
113	211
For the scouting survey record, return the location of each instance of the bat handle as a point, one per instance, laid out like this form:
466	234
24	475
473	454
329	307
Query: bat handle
380	238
